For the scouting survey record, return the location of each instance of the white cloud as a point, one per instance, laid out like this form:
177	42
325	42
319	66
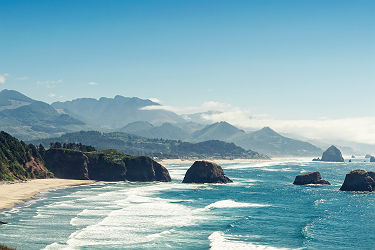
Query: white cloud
153	99
354	129
3	78
92	83
55	96
49	83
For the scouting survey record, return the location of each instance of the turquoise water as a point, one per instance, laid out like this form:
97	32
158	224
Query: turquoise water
260	210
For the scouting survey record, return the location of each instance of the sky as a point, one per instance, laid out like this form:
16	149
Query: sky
282	61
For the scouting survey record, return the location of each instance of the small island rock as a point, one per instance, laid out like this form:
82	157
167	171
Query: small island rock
332	154
310	178
372	159
359	180
205	172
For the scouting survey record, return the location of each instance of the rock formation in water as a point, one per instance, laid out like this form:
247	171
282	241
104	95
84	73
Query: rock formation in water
372	159
205	172
332	154
310	178
359	180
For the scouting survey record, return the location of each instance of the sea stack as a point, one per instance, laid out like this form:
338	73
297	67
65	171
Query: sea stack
205	172
310	178
359	180
332	154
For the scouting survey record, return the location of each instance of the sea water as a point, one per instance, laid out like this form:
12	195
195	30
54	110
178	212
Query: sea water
261	209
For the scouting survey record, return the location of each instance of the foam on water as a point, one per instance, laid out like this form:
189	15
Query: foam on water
220	241
233	204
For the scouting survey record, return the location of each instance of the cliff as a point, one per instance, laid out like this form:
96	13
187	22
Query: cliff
106	165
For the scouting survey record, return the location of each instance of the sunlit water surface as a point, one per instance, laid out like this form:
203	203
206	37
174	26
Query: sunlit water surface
260	210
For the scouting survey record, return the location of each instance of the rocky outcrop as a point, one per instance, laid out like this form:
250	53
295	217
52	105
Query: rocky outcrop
372	159
3	222
67	164
205	172
310	178
107	165
143	168
332	154
103	168
359	180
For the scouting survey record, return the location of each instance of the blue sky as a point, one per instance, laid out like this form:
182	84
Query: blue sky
287	59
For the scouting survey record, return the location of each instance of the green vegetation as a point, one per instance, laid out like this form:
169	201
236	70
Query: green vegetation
137	145
19	161
72	146
2	247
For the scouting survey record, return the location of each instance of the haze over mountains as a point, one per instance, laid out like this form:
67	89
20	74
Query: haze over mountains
29	119
26	118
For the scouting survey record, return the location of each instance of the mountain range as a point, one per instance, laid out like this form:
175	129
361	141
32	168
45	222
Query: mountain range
26	118
29	119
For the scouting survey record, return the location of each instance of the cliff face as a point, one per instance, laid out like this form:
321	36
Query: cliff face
102	167
145	169
67	164
107	165
19	161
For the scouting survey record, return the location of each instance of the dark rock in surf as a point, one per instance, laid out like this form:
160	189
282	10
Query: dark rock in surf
3	222
372	159
310	178
205	172
359	180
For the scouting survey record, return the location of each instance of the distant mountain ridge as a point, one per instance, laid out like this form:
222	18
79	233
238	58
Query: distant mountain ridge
30	119
26	118
115	113
265	141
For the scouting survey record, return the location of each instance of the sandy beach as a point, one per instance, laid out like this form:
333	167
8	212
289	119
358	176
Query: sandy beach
14	193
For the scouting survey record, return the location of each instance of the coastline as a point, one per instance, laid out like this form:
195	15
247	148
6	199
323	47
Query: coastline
15	193
167	162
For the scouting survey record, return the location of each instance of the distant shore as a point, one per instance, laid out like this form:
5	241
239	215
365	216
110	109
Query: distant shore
17	192
167	162
218	161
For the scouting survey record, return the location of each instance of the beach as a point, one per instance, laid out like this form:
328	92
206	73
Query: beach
14	193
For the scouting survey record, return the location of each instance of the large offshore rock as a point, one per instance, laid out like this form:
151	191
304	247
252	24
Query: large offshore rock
358	180
332	154
205	172
310	178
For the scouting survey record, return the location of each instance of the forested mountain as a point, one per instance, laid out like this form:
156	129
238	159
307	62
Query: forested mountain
20	161
136	145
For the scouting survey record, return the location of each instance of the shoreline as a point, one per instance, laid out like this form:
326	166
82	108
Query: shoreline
14	193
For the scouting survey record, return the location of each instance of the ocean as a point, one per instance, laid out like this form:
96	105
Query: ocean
261	209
